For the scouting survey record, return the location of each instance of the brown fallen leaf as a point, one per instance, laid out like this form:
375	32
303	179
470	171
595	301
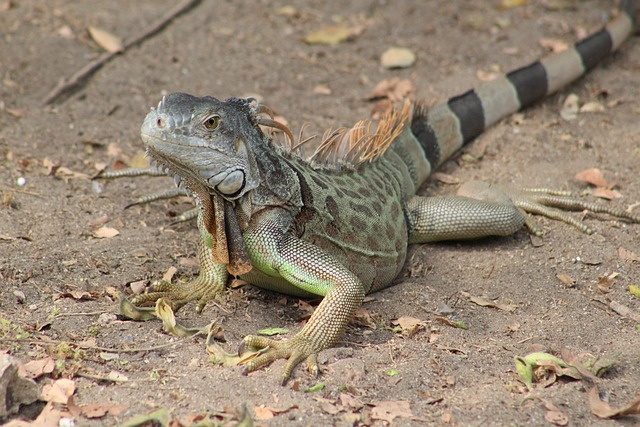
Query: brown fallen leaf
566	279
330	35
79	295
106	40
606	193
322	90
266	412
606	282
362	317
263	413
570	107
389	410
592	107
395	89
604	410
410	325
397	57
486	303
96	410
40	367
627	255
555	45
105	232
59	391
592	176
553	414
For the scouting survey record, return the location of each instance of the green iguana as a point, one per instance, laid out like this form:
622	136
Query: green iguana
337	225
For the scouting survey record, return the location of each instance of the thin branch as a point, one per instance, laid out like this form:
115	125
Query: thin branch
93	347
64	87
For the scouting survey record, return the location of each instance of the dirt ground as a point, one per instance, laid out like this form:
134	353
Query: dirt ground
58	278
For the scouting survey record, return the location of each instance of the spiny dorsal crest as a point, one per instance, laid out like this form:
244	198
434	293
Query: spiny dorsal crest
342	147
355	146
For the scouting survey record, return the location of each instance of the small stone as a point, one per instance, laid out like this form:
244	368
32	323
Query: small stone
397	57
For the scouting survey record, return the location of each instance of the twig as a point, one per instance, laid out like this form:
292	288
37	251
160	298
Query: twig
81	76
86	313
93	347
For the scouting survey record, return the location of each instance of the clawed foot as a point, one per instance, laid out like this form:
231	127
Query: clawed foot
553	204
179	295
295	350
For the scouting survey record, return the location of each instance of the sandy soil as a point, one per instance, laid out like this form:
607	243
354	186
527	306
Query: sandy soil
48	251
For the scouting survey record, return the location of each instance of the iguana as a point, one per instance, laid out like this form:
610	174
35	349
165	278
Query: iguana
337	224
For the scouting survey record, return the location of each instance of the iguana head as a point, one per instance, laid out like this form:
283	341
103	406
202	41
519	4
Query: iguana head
205	142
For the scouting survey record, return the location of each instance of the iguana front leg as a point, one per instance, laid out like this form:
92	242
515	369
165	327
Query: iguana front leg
209	284
481	209
278	253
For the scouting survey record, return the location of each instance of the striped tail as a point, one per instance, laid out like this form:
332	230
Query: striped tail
447	127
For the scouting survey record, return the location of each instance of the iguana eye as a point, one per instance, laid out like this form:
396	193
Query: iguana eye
212	122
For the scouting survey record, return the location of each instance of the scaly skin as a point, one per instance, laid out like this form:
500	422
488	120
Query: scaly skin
341	231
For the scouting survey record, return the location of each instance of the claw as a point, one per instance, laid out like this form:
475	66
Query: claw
241	348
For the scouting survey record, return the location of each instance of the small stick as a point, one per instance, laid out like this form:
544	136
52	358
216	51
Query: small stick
73	82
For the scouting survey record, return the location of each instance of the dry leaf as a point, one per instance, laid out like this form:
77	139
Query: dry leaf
330	35
387	93
487	76
322	90
410	325
37	368
99	410
606	282
80	295
592	176
627	255
485	303
554	415
564	278
106	40
604	410
391	409
362	317
555	45
570	108
17	112
606	193
99	221
105	233
263	413
592	107
351	402
59	392
397	57
395	89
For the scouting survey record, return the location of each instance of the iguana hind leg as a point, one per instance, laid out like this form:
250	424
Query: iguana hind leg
550	203
209	285
481	209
